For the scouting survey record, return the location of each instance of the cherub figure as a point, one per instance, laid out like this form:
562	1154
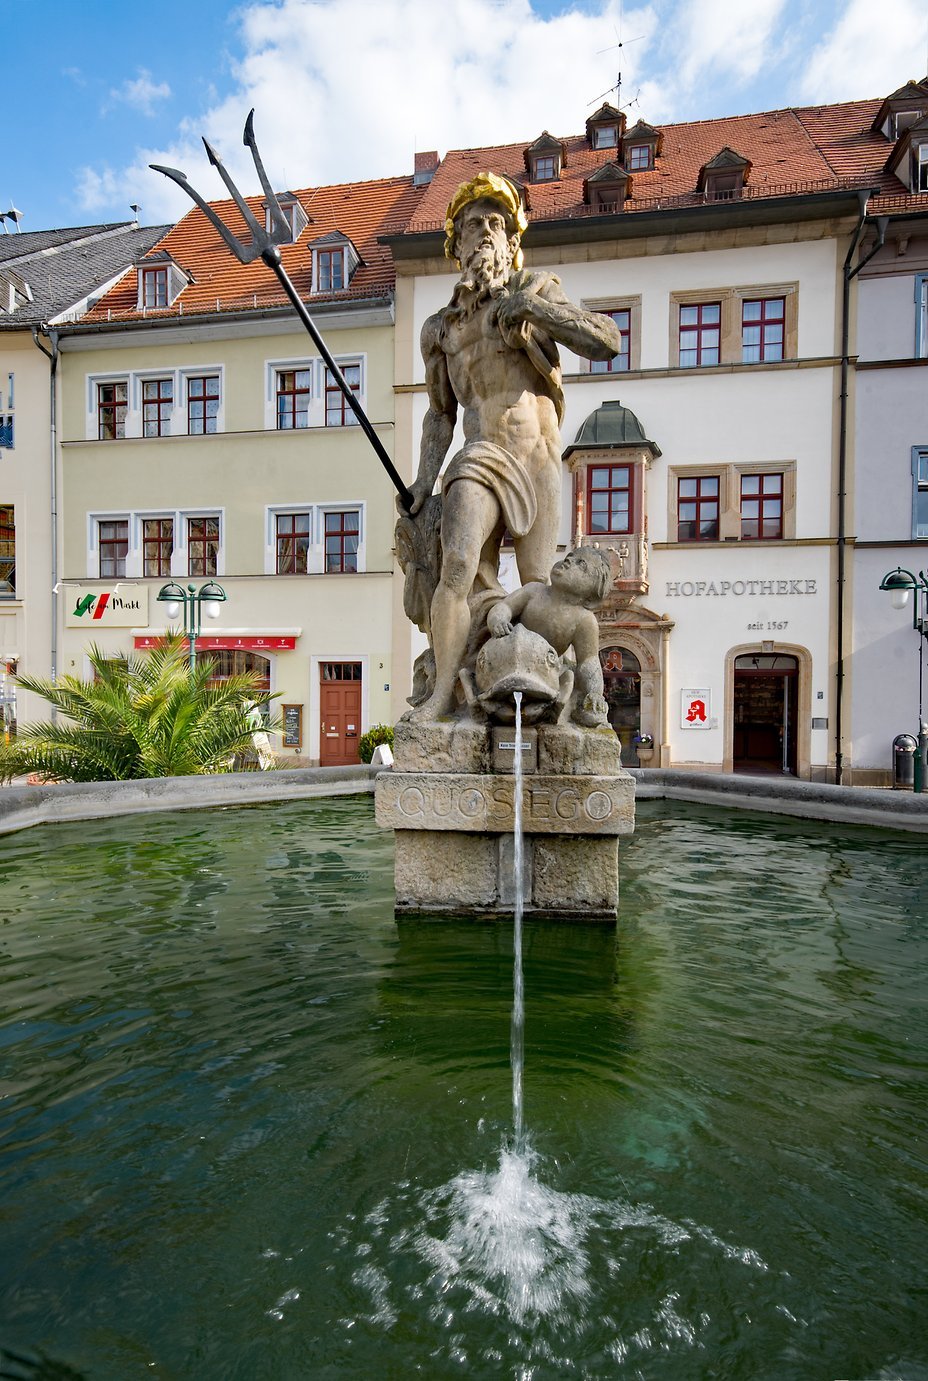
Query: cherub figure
562	614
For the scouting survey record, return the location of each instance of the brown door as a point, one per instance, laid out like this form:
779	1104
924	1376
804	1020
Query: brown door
340	703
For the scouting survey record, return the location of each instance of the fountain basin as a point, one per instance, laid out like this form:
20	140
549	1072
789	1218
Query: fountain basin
250	1126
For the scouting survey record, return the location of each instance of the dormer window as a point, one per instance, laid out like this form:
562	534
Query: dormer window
154	287
604	129
545	158
330	270
901	110
294	214
909	158
608	188
724	176
642	145
334	261
161	281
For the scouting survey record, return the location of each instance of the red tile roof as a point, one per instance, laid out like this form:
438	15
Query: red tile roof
813	148
806	149
363	211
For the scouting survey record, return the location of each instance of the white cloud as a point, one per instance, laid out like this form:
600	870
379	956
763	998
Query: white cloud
345	90
720	40
142	93
871	51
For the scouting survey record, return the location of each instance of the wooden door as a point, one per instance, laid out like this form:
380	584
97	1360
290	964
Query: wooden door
340	706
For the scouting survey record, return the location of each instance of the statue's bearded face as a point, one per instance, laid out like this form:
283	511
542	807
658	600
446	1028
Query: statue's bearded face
484	249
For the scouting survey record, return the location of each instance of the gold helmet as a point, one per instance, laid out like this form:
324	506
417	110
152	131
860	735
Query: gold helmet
487	187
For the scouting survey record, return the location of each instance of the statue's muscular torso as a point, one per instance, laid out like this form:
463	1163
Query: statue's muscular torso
505	399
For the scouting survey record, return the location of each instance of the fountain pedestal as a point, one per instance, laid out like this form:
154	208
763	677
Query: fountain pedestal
449	799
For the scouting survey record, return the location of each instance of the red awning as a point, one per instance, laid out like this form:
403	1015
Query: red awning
207	643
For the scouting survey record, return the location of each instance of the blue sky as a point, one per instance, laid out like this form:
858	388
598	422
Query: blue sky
350	89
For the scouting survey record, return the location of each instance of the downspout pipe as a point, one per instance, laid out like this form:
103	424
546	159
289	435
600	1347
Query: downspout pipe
53	355
851	271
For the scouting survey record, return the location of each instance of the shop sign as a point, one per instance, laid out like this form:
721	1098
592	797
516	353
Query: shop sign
697	709
719	589
124	607
207	642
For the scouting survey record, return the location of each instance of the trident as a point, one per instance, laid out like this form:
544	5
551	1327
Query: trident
265	243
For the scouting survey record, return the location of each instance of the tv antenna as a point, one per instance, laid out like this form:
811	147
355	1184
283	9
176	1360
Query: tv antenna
619	44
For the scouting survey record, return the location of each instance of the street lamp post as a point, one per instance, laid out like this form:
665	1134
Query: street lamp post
194	603
900	584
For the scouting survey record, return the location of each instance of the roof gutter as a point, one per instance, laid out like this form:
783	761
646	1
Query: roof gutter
849	274
52	356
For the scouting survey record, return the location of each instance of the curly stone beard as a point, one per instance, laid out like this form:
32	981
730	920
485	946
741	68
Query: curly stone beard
487	270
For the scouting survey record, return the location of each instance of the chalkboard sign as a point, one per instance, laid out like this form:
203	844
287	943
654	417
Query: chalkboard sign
293	726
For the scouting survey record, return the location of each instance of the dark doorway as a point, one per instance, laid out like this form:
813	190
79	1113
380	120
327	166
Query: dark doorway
765	713
622	687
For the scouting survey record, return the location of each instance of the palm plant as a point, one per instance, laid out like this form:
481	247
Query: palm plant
152	716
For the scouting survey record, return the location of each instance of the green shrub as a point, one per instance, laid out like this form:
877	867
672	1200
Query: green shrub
379	733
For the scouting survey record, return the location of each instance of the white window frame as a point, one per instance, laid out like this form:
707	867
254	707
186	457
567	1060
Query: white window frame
8	414
134	379
176	282
919	486
196	371
293	210
344	362
315	557
921	316
180	561
93	542
317	371
137	540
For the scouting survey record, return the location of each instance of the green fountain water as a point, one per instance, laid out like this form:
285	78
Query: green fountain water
251	1128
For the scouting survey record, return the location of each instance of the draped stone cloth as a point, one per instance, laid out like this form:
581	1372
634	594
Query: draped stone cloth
502	472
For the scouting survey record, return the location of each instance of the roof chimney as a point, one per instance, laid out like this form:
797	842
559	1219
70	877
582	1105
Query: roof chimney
425	167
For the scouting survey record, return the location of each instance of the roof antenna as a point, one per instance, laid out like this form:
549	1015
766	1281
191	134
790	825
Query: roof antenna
619	44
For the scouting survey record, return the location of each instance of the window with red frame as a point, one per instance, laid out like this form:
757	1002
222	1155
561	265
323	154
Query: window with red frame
620	362
292	543
157	545
202	404
157	404
544	169
293	395
640	158
763	326
113	536
202	546
700	334
112	402
609	498
337	411
698	508
154	287
342	535
761	506
330	270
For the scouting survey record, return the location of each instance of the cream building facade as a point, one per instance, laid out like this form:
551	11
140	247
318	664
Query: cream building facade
203	440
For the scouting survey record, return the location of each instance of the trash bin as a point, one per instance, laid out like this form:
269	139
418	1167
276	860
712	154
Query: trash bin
904	746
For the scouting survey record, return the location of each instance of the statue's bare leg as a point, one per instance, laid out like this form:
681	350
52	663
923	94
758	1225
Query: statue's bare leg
469	514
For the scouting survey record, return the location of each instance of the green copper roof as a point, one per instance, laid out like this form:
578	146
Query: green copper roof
612	425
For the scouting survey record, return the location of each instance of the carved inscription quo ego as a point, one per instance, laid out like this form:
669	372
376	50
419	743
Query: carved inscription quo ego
550	804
